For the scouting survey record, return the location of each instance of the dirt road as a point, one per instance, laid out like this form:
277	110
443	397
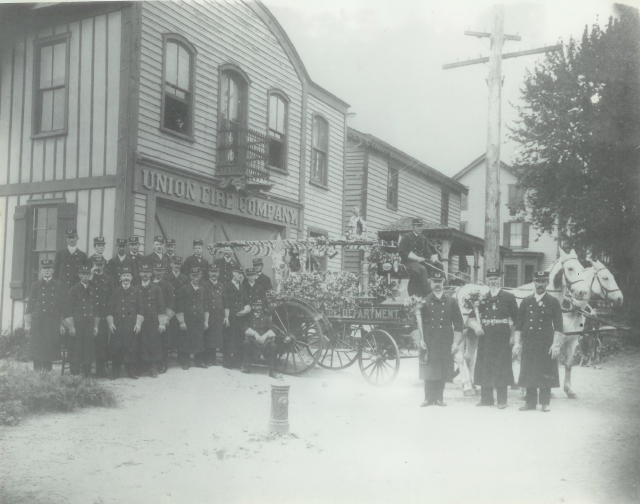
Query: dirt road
200	436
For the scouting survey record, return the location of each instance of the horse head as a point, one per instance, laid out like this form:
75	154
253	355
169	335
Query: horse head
568	276
603	283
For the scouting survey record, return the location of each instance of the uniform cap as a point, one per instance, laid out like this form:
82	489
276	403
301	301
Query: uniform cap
98	261
176	259
237	267
133	240
494	272
250	272
46	263
85	269
145	268
158	267
257	262
214	269
125	270
121	242
171	242
197	242
437	276
158	238
416	221
99	240
541	276
71	233
195	270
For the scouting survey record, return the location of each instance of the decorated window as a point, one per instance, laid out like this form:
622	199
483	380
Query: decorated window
277	131
51	82
232	119
177	113
319	151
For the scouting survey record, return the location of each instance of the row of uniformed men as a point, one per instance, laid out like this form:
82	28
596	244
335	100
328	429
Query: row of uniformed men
136	323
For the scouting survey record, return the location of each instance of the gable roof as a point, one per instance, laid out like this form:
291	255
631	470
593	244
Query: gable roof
478	162
408	161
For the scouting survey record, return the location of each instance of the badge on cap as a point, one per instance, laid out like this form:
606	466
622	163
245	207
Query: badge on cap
125	270
195	270
133	240
416	221
541	276
71	233
121	242
99	240
237	268
493	272
85	269
158	238
198	242
145	268
46	263
171	242
437	276
250	272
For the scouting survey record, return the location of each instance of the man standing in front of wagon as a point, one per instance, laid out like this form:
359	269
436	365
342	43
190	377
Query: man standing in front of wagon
442	333
415	250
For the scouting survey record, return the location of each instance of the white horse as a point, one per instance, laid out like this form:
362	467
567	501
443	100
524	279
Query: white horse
567	282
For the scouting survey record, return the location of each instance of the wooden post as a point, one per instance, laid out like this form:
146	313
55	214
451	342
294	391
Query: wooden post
492	189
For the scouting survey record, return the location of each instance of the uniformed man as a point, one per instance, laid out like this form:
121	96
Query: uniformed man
259	337
168	293
214	334
415	250
120	260
196	259
44	313
69	260
98	248
539	336
225	264
154	324
135	258
498	316
442	335
170	247
193	316
158	258
263	281
102	286
177	280
236	310
125	323
82	323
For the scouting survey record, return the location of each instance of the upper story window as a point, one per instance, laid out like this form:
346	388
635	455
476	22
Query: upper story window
52	83
444	208
277	131
516	198
319	151
233	108
515	234
392	187
177	112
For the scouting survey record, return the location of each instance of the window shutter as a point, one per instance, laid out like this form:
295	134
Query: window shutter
525	235
66	219
506	234
512	196
17	286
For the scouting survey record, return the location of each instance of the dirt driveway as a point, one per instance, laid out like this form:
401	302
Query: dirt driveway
200	436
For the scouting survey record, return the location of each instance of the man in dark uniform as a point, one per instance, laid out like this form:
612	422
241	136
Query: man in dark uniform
102	286
225	264
82	324
196	260
43	316
177	280
69	260
236	310
135	258
213	336
118	261
168	293
539	336
263	281
125	323
415	250
498	314
158	258
154	313
442	333
98	249
193	317
170	248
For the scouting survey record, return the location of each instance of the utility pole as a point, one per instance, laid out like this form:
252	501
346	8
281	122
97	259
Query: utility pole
492	190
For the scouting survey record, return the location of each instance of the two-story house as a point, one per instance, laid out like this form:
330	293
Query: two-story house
388	187
184	119
530	250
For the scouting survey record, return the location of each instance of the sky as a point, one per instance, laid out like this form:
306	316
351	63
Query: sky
385	57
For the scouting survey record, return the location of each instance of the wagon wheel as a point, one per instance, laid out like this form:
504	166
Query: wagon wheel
379	360
342	347
298	335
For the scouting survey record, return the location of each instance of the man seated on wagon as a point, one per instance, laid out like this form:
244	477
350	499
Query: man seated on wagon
415	252
259	336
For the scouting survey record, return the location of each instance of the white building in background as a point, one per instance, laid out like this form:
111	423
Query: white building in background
530	250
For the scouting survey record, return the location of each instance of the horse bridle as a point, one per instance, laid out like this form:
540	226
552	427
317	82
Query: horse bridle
604	290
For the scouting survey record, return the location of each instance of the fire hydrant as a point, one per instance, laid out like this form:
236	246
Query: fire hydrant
279	422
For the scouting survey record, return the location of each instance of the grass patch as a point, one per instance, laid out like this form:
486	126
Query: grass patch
25	392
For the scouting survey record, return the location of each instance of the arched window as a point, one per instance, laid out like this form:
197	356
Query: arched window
319	151
232	121
277	130
177	94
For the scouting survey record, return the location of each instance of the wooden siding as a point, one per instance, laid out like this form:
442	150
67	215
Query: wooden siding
89	148
323	206
140	217
353	197
95	215
222	32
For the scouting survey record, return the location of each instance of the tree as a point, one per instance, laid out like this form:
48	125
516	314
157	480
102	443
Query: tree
579	138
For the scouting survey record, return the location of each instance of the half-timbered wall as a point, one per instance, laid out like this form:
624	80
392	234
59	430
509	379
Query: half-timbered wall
222	33
323	204
95	215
